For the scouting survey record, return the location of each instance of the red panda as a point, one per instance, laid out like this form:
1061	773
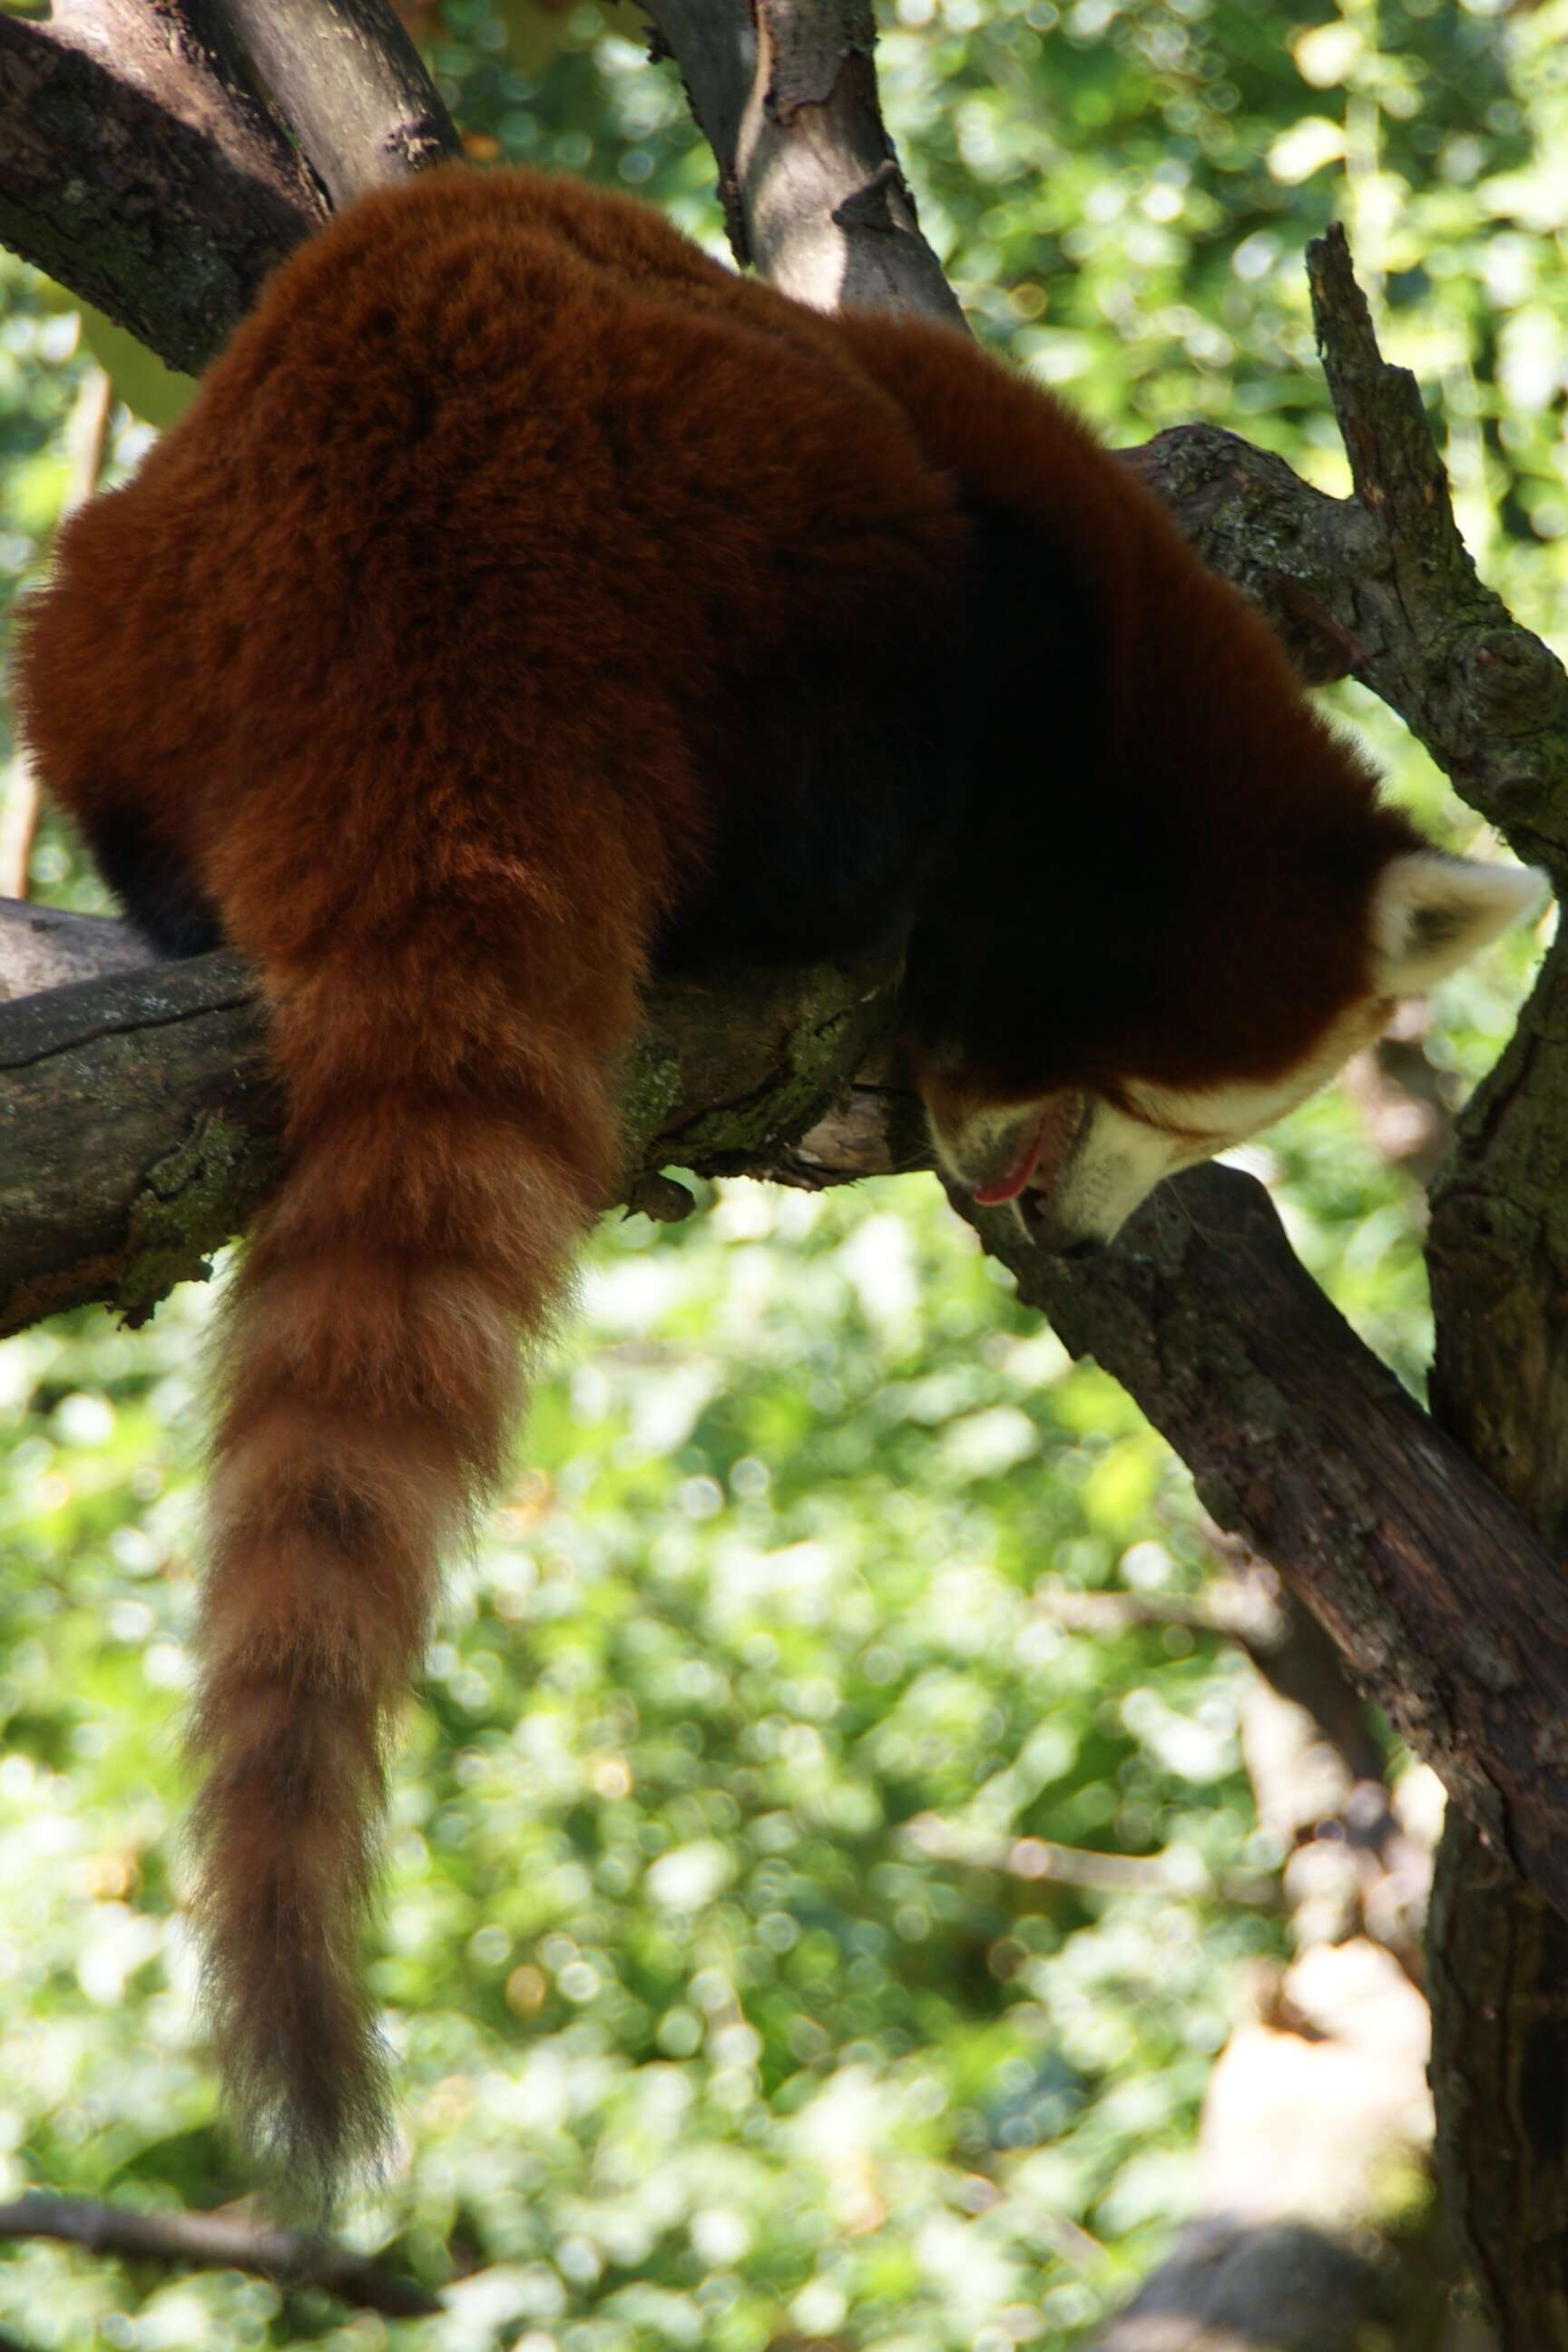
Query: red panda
525	604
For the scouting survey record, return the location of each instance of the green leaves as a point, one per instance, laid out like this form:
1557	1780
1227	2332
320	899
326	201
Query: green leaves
696	2028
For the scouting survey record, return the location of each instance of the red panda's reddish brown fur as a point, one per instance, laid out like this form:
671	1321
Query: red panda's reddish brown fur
525	596
416	712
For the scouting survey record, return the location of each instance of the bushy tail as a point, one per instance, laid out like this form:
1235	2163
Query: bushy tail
447	1150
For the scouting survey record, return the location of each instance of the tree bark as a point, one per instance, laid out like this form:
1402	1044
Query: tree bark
139	168
348	81
141	1122
1497	1254
785	92
219	2242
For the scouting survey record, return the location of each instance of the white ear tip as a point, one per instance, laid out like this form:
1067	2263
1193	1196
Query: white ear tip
1526	890
1432	912
1502	896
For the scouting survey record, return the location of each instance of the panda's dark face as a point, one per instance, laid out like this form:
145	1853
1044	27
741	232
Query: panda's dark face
1077	1148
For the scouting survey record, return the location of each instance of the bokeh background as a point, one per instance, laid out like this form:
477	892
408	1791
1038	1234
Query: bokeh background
727	2015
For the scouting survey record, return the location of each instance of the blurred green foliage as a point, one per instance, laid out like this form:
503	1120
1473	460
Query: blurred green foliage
706	2038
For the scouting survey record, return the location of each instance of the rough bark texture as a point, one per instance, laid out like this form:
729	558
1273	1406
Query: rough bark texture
138	168
1489	699
1499	1260
715	51
787	92
140	1124
1497	1970
347	80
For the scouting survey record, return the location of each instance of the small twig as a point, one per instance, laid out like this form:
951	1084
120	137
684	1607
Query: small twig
1234	1612
220	2241
1037	1861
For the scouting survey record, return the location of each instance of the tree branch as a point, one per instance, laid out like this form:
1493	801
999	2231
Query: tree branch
219	2241
1489	699
1379	592
139	170
1447	1607
1036	1860
349	82
142	1120
786	94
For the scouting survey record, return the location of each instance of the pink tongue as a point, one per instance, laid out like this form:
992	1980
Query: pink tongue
1008	1187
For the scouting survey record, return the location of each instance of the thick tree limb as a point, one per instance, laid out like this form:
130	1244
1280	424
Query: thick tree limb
1291	549
348	80
1489	699
219	2241
146	1104
786	94
141	1123
138	168
143	169
1447	1607
716	52
1498	1969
